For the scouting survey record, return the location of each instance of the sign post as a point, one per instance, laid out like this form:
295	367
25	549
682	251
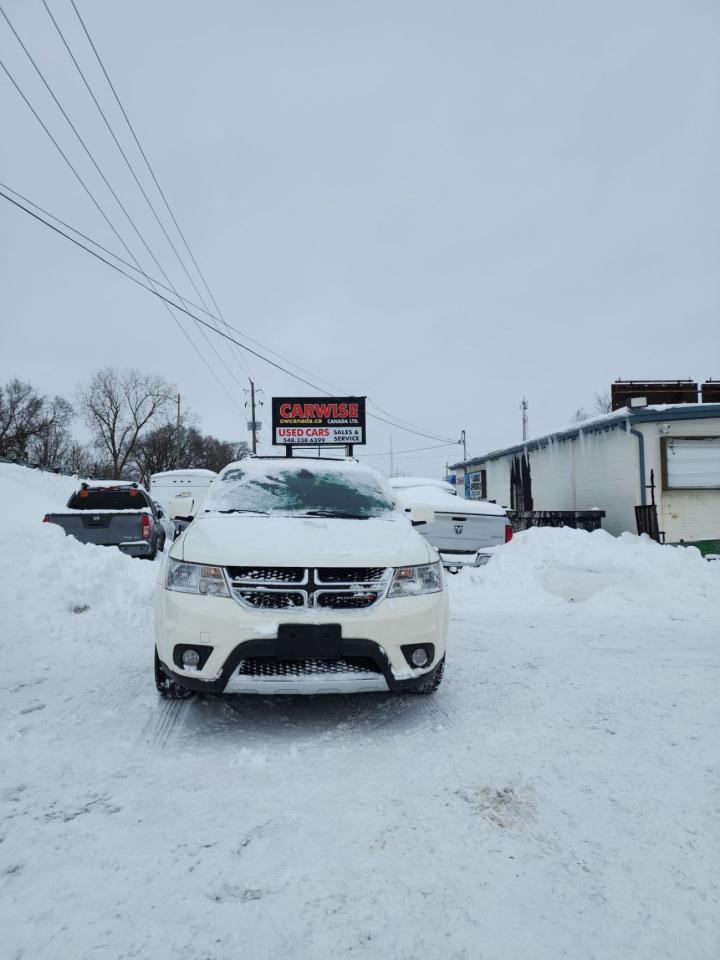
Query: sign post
318	422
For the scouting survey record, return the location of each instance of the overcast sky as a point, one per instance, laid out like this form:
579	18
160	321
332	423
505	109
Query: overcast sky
442	205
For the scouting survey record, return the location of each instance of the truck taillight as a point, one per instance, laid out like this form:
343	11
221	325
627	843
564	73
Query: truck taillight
508	533
145	526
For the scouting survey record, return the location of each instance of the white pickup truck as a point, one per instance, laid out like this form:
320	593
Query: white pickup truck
464	532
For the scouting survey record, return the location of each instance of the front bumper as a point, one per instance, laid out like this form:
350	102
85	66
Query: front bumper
230	634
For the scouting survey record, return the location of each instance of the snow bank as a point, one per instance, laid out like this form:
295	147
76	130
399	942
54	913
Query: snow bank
52	585
548	566
27	494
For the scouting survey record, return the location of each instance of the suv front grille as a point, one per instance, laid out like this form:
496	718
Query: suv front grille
294	588
272	667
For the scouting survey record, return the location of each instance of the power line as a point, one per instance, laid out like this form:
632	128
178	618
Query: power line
94	200
219	316
182	309
150	169
393	421
157	283
102	213
120	148
398	453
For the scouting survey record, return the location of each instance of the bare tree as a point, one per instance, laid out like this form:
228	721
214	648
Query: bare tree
118	406
33	427
602	404
157	450
22	416
79	460
50	445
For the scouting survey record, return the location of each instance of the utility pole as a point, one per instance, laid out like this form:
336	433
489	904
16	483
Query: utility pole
524	408
392	465
254	421
463	441
177	435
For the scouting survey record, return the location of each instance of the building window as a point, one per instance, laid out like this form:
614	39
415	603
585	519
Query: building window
690	463
478	485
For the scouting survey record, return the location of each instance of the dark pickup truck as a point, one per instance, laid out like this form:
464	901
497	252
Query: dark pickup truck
113	515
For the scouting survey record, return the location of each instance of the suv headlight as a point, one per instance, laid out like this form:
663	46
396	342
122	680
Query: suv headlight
196	578
413	581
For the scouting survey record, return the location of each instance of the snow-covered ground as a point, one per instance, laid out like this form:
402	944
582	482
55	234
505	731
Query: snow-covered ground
558	797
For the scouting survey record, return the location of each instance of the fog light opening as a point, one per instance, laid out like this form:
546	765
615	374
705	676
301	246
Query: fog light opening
190	659
419	657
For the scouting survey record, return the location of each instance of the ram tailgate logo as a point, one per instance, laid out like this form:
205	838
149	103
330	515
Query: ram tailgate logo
458	529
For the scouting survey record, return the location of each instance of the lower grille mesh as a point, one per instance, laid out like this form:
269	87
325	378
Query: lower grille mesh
273	667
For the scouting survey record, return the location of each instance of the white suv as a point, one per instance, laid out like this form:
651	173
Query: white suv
301	575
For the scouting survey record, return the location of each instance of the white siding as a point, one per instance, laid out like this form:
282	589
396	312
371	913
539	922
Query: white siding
602	470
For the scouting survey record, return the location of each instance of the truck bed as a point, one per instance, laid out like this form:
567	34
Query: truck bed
462	527
107	528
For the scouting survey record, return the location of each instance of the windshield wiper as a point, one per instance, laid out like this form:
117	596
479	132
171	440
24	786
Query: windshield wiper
261	513
335	515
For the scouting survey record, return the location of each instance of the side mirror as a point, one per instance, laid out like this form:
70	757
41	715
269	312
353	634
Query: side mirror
421	513
181	509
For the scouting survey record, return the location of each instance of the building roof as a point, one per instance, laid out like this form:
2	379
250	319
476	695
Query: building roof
605	422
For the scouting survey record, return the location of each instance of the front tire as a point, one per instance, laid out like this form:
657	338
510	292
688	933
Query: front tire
431	681
167	688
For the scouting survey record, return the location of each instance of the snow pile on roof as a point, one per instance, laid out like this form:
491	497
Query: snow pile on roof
628	575
445	502
268	466
400	483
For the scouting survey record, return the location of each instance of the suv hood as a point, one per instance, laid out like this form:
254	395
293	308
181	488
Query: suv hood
237	540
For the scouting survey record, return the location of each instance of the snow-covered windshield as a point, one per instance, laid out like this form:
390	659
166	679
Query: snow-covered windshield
296	490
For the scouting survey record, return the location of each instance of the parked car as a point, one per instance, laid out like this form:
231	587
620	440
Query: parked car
301	575
189	486
113	514
168	525
168	486
464	531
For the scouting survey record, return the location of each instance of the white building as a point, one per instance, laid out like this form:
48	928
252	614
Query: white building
608	463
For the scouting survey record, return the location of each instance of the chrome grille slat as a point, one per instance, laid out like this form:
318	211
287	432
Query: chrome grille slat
268	574
349	574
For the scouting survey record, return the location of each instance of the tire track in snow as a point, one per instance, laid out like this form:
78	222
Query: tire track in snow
160	728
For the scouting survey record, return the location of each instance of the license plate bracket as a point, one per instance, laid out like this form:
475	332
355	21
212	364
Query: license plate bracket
317	641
